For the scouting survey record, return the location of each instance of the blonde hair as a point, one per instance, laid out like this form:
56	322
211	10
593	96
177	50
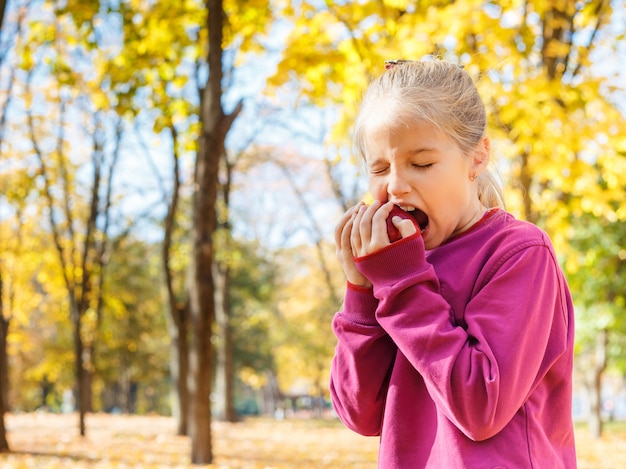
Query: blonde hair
437	92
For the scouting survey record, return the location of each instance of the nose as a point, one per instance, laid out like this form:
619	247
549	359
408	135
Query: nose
397	185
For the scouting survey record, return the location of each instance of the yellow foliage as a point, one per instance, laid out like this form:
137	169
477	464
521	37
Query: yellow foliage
253	379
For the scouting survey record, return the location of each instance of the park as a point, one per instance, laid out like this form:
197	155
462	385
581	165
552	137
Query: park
171	176
51	441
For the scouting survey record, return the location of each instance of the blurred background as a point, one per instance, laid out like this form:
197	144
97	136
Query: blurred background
112	111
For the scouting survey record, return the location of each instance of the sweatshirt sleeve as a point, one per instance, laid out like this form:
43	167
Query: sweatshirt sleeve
362	363
479	375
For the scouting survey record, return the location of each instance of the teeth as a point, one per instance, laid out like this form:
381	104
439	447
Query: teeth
408	209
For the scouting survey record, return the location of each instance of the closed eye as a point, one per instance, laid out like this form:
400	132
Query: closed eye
423	166
377	170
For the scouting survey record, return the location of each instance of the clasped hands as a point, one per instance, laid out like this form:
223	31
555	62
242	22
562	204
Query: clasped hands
362	230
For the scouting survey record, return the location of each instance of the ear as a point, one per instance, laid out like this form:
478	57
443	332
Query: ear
481	155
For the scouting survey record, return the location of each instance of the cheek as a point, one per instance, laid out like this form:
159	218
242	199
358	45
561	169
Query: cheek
378	190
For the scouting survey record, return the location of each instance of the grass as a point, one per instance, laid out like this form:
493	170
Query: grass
51	441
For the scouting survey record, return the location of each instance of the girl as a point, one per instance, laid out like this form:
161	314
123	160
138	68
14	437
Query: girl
455	343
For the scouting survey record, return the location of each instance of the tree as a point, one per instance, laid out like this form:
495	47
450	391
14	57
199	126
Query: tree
215	124
133	348
240	32
4	316
78	254
79	230
597	272
227	265
177	303
7	295
222	272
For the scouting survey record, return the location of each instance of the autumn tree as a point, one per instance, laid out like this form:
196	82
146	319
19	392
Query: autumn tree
133	349
215	124
78	193
176	300
228	262
5	310
598	274
13	248
222	272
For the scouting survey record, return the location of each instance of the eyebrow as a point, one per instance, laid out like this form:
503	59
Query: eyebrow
419	150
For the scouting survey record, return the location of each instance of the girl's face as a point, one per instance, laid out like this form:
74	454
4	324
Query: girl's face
416	167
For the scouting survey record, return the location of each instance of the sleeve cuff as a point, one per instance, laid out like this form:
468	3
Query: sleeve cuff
360	305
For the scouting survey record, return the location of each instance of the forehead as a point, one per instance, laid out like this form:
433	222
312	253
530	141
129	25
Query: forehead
390	138
397	130
390	111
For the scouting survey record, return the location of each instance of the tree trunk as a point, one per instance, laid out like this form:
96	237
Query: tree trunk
229	364
179	311
81	391
525	181
201	287
215	125
3	5
225	373
4	373
202	306
595	384
179	366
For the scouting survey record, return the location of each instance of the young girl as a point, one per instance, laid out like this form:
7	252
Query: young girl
455	343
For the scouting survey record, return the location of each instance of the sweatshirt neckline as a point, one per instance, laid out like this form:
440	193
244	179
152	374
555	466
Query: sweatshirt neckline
486	216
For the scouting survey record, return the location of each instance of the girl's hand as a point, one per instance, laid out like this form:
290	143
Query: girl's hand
343	233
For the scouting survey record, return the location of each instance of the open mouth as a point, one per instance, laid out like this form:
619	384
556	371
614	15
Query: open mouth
420	217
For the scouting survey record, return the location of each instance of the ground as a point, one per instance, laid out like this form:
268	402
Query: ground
51	441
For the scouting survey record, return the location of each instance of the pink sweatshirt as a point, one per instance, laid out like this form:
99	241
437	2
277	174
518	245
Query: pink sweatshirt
460	357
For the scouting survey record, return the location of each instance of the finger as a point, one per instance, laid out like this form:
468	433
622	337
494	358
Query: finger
405	227
345	218
379	224
355	237
346	243
365	223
